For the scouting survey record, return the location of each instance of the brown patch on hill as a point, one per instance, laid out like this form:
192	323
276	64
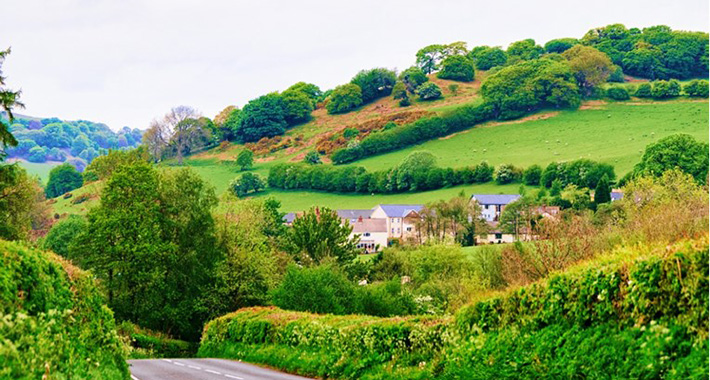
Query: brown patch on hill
593	105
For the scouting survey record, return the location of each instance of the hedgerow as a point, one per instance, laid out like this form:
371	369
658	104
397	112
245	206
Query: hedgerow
640	313
53	320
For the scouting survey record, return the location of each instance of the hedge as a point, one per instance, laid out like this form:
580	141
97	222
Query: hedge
424	129
633	314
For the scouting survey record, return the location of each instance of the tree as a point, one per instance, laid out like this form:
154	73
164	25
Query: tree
374	83
428	58
507	173
457	67
413	77
160	133
590	66
319	234
190	134
312	158
618	93
680	151
63	234
602	193
298	106
18	194
485	57
320	289
9	99
696	88
520	88
665	89
532	175
454	89
264	116
560	45
246	184
399	91
311	90
226	123
429	91
103	166
62	179
344	98
643	90
245	159
617	75
525	49
151	242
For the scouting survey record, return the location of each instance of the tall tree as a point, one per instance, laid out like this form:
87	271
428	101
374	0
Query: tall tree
590	66
319	234
161	131
9	99
63	178
602	194
189	134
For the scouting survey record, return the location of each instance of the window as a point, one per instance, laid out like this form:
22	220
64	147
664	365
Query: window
366	234
397	230
392	230
499	236
409	229
486	206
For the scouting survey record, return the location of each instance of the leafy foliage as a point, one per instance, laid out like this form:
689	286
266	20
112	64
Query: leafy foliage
344	98
63	234
697	88
374	83
457	67
590	66
560	45
264	116
429	91
679	151
413	77
245	159
318	235
246	184
62	179
486	58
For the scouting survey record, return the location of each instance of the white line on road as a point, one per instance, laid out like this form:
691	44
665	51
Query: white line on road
133	377
211	371
234	377
167	360
194	367
180	364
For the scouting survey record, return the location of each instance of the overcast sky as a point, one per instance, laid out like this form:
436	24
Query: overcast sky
126	62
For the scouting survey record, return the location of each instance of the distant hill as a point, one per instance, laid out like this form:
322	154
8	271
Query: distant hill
78	142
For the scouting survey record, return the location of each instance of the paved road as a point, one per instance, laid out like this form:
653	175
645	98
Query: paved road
202	369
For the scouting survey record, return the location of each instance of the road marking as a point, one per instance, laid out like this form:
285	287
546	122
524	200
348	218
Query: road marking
234	377
180	364
193	367
133	377
167	360
211	371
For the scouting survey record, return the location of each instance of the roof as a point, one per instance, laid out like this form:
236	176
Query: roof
354	214
369	225
495	199
288	218
616	195
399	211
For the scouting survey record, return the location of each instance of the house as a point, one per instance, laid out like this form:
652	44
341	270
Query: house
492	205
289	218
373	233
548	211
616	195
353	215
496	235
400	220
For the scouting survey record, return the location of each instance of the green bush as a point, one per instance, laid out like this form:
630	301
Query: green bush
374	83
54	320
618	93
62	179
429	91
665	89
486	57
321	289
696	88
617	75
643	91
63	233
344	98
457	67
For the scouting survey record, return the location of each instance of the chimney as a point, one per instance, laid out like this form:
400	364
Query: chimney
359	219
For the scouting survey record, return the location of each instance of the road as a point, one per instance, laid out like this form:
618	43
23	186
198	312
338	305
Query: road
202	369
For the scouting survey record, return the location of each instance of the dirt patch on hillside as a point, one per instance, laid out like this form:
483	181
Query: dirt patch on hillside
593	105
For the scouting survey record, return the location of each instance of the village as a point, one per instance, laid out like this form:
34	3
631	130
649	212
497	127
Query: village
386	225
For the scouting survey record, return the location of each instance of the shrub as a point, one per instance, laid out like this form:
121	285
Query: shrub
62	234
617	75
532	175
680	151
507	173
665	89
457	67
374	83
486	57
312	158
247	183
63	178
37	154
582	173
344	98
298	106
697	88
643	91
429	91
264	116
454	89
399	91
405	102
412	78
54	319
320	289
618	93
560	45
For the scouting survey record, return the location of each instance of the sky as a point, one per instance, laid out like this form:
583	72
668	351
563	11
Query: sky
126	62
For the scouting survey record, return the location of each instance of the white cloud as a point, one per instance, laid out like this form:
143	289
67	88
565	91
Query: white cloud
126	62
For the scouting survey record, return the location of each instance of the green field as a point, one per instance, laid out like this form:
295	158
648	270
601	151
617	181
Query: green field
40	170
614	133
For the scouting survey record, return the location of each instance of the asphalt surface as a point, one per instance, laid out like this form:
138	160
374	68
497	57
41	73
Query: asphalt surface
202	369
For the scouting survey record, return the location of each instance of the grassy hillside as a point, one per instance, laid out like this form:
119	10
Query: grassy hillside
637	312
566	135
54	323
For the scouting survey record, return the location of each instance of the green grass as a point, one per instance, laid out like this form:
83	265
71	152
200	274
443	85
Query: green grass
40	170
617	134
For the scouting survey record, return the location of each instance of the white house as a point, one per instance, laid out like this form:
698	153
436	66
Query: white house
492	205
373	233
400	219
